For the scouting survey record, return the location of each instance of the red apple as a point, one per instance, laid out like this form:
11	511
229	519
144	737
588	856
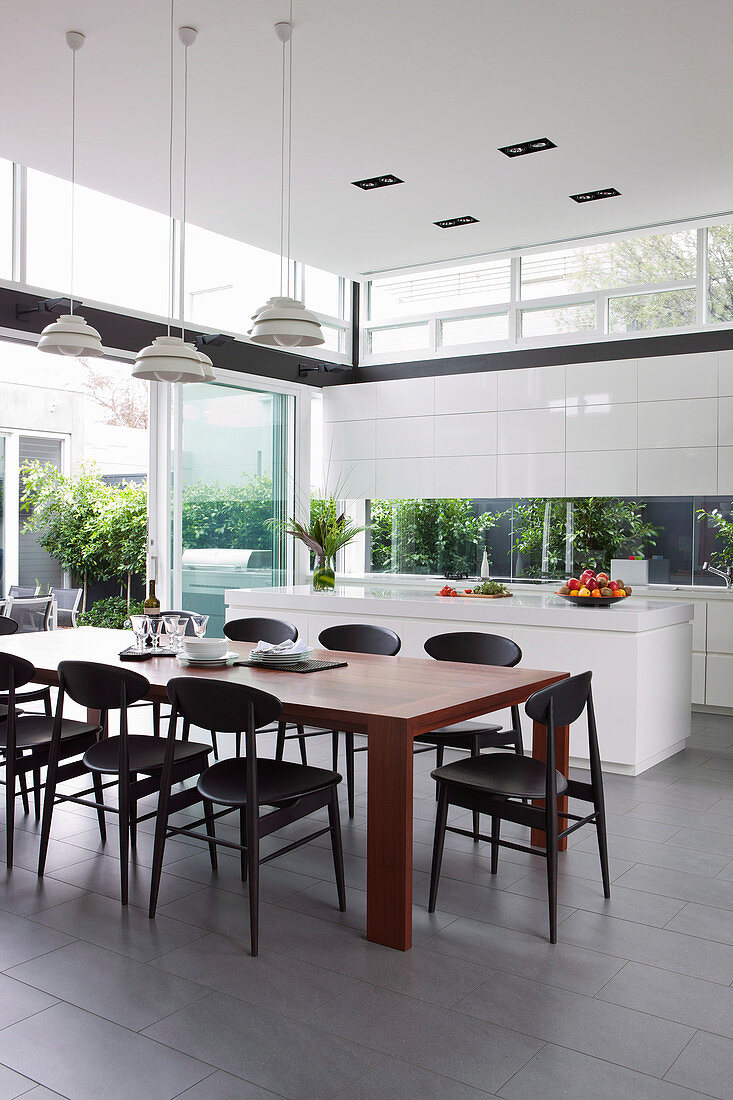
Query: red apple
573	585
613	585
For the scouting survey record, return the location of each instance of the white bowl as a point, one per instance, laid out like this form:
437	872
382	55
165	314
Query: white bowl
205	647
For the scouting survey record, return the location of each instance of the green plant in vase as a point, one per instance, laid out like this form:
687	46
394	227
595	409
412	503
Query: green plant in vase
327	532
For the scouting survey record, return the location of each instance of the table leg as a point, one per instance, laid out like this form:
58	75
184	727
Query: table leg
562	762
389	833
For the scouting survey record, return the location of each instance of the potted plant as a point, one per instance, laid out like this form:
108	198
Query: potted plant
326	532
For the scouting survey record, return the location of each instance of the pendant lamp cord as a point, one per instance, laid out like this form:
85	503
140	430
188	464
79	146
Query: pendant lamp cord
185	190
286	147
290	135
171	255
73	179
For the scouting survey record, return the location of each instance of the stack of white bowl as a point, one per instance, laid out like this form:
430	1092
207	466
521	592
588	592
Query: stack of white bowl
205	649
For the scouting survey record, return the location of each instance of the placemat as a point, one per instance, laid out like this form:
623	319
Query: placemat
302	666
134	654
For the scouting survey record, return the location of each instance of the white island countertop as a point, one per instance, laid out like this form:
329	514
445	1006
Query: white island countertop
633	615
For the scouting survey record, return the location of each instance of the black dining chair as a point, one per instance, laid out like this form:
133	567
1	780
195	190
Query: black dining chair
243	785
35	693
26	740
473	648
349	638
495	784
274	631
121	760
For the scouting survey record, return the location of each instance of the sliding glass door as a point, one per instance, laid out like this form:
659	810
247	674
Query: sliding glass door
233	480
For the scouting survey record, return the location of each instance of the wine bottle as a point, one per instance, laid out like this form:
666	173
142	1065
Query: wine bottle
151	606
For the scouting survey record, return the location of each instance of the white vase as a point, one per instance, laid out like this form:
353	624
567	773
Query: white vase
485	571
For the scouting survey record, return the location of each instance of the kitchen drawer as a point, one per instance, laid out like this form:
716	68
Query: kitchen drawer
720	626
719	681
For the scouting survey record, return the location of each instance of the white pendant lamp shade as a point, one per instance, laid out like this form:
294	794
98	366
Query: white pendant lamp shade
286	323
208	366
169	359
70	335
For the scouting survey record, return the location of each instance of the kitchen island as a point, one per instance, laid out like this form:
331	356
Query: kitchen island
639	650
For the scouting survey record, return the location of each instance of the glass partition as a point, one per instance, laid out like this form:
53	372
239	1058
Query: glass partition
551	538
235	481
120	253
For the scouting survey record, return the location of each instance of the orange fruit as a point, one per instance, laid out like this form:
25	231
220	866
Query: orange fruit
596	592
621	592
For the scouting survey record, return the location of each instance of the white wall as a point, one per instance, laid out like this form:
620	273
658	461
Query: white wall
655	426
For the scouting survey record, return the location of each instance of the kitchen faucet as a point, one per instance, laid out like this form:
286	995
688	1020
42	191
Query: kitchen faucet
726	574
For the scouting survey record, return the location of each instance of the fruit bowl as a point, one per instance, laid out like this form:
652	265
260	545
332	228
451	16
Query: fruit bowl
591	601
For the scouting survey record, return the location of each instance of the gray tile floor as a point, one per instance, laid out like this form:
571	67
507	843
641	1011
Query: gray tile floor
635	1000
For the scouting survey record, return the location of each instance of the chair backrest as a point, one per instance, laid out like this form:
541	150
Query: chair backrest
361	638
474	648
562	704
32	614
220	705
14	672
273	631
20	591
101	687
190	616
7	625
67	599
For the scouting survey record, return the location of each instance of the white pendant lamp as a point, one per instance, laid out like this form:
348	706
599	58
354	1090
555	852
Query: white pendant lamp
284	321
171	358
71	335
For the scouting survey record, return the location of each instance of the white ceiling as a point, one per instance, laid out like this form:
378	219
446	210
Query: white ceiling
637	94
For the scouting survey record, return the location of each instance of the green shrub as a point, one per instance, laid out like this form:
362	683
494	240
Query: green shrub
111	612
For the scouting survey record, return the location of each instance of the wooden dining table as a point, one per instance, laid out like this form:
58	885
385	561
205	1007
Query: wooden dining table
389	699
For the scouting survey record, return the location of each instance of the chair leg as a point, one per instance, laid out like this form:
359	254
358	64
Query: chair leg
243	842
214	744
186	733
47	703
23	785
495	833
99	798
10	766
439	757
350	771
211	831
551	856
253	867
440	822
161	826
238	743
603	849
37	790
156	719
280	743
334	821
124	821
133	814
476	751
335	750
303	747
48	804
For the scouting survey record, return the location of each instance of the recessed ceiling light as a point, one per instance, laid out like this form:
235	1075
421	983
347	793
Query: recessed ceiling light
449	223
377	181
591	196
523	147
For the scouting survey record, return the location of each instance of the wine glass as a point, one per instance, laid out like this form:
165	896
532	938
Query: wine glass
155	626
199	625
181	627
137	622
170	626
